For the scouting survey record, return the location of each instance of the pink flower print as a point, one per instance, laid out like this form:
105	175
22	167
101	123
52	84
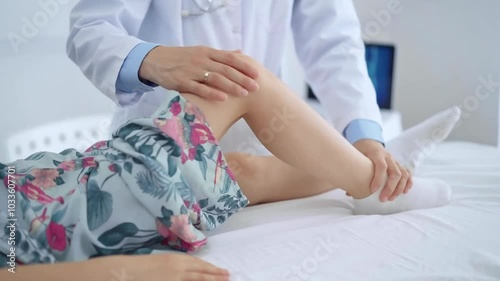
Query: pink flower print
194	213
34	192
56	236
181	227
175	108
230	174
97	145
88	162
84	179
67	165
44	178
196	208
112	168
174	129
218	168
100	144
162	229
184	157
192	153
201	134
193	246
39	220
220	160
192	109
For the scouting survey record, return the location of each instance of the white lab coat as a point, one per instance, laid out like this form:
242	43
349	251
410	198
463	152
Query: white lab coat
326	33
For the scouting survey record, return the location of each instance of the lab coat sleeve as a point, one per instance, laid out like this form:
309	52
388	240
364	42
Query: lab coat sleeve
128	79
361	129
329	45
101	37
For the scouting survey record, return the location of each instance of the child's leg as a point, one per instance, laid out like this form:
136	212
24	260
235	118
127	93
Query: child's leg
266	179
294	133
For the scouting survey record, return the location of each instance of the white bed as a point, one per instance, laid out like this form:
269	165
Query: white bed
318	238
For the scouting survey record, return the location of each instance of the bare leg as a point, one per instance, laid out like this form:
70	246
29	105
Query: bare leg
266	179
294	133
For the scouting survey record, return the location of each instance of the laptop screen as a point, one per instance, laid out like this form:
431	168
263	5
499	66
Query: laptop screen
380	64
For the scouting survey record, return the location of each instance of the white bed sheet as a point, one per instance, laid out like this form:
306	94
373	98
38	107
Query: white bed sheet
318	238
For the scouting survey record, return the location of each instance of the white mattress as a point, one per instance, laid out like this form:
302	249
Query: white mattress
286	240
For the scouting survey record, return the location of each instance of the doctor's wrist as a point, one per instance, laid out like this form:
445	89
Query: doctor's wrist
149	66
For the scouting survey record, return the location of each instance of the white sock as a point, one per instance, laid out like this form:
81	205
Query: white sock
410	149
418	142
425	194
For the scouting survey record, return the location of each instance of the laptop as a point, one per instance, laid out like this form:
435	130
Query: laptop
380	60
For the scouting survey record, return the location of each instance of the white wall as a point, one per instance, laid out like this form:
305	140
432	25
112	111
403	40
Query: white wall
444	50
39	83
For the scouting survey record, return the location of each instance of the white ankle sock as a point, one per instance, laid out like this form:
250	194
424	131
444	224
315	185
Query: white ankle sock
415	144
425	194
410	149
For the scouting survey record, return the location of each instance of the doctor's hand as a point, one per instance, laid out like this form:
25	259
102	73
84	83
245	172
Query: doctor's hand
185	69
388	171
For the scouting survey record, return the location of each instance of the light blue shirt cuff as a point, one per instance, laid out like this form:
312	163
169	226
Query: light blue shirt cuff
128	79
360	129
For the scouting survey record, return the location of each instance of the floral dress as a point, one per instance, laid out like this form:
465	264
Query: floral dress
157	184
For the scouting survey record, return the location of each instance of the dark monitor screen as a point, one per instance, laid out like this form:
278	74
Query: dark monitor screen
380	64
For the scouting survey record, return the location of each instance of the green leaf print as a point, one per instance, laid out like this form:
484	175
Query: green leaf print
212	151
57	216
221	219
56	163
126	130
185	192
146	149
128	167
203	166
189	117
105	252
67	151
116	235
36	156
133	139
183	210
155	181
203	203
174	100
59	181
172	165
173	149
166	213
227	183
99	205
199	152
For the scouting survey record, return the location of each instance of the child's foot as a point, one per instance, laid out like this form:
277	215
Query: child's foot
425	194
410	149
415	144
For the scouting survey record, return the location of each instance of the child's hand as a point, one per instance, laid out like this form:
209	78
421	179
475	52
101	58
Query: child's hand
172	267
159	267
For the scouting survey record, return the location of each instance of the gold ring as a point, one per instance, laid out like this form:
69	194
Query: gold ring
205	76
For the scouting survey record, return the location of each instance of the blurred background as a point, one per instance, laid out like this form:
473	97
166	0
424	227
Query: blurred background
433	54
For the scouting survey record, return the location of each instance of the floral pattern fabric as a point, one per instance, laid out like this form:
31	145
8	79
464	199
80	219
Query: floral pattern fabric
157	184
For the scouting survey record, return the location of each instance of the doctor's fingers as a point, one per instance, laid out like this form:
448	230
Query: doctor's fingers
405	175
237	61
202	90
238	79
394	175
